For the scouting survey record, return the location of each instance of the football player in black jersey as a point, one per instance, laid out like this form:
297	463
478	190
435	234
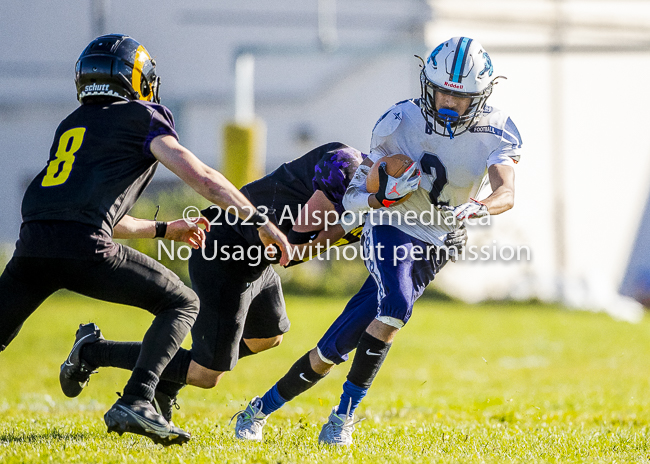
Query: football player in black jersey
103	156
242	306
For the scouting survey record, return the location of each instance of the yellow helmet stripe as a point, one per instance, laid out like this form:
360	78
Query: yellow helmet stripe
141	57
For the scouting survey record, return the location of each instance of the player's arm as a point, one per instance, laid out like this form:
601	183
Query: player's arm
501	174
130	227
357	199
180	230
372	197
317	225
502	198
212	185
502	181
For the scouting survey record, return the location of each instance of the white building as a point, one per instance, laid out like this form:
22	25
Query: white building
306	96
576	89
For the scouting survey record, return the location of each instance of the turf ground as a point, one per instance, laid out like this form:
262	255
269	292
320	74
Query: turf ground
488	383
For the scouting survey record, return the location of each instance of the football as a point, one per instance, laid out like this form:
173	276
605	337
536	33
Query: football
395	166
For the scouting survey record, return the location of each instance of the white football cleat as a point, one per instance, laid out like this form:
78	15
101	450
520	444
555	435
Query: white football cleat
250	421
338	430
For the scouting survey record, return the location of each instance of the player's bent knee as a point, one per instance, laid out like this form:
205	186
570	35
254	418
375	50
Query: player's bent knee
391	322
208	380
188	306
319	363
184	301
385	328
275	341
203	377
191	300
257	345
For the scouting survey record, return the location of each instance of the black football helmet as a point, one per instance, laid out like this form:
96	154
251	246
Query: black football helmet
116	65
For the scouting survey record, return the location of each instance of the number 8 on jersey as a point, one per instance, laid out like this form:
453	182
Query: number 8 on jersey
69	143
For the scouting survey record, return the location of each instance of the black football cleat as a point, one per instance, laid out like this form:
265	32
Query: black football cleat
165	405
75	372
141	418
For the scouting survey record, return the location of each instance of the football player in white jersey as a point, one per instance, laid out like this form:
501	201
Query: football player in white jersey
456	143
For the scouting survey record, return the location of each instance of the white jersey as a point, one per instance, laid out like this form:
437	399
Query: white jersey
453	170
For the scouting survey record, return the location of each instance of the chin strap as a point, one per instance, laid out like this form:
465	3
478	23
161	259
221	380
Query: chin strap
135	95
448	116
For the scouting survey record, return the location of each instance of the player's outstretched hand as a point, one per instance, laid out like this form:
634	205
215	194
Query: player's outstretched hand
188	231
271	235
392	189
470	210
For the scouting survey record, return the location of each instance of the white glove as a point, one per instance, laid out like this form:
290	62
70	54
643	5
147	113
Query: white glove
392	189
455	241
470	210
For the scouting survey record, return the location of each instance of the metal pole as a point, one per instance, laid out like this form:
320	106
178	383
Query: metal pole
244	89
244	151
327	33
99	15
557	150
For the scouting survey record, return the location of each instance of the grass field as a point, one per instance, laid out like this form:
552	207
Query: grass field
462	383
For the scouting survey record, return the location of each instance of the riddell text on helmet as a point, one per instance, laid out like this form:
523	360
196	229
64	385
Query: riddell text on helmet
453	85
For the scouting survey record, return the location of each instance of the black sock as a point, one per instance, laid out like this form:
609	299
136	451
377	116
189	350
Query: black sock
124	355
141	386
244	350
169	388
176	370
107	353
300	378
368	359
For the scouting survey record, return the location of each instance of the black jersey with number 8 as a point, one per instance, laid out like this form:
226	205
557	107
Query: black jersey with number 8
100	162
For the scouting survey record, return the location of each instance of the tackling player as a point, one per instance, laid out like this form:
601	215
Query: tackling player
457	142
103	156
242	310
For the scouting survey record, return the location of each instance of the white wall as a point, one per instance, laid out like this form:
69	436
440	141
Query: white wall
605	149
339	97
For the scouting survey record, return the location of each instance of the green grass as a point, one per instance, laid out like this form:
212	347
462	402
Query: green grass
488	383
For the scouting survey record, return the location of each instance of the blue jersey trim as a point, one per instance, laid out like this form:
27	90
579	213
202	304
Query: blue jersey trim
511	133
389	110
483	129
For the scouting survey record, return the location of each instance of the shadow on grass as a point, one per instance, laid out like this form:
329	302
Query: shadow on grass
39	437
